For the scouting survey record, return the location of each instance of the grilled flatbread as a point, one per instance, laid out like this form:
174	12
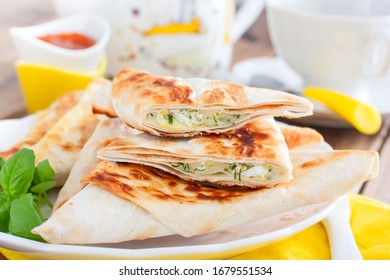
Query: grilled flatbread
191	209
109	129
45	119
101	216
305	138
254	155
94	215
63	142
168	106
106	131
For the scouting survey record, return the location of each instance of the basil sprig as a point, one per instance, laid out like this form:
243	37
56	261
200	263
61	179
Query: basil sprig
24	190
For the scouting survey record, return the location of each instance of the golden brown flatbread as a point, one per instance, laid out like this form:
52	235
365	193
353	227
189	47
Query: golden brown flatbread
253	155
95	215
132	202
190	209
104	133
297	137
110	129
168	106
45	119
63	142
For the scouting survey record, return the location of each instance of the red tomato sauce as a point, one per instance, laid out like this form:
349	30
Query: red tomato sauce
74	41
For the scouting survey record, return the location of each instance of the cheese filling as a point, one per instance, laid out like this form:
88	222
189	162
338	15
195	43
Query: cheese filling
229	171
190	118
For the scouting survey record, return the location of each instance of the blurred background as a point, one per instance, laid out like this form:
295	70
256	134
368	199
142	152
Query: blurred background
27	13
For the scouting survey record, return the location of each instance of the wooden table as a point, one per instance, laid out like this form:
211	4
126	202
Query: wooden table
254	43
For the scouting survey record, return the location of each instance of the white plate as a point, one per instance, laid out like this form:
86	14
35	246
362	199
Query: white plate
275	67
216	245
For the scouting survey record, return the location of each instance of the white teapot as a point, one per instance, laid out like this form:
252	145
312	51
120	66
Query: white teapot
184	38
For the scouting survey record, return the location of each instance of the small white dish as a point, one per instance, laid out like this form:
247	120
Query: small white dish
276	67
33	50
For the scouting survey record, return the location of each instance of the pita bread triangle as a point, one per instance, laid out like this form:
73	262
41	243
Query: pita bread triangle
253	155
94	215
45	119
62	143
111	211
191	209
176	107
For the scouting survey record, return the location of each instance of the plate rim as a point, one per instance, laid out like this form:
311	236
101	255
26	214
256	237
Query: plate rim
221	250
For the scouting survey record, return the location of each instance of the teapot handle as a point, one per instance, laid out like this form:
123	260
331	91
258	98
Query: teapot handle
377	60
246	15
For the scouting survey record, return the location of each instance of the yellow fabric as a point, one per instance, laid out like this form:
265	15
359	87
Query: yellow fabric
370	223
11	255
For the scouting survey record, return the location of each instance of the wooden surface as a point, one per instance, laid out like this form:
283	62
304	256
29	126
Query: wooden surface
254	43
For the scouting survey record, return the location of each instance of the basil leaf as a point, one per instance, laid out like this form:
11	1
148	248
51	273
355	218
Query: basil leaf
24	217
5	205
2	161
43	172
17	173
43	187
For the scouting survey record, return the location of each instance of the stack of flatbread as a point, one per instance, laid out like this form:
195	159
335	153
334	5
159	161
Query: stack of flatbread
189	156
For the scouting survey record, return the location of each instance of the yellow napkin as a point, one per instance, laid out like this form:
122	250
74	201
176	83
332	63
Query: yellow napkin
370	222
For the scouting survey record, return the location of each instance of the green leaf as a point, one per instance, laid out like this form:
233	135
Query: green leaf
43	172
23	193
2	161
43	187
17	173
5	205
24	217
170	119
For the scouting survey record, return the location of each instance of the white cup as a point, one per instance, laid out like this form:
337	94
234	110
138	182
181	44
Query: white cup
171	37
338	44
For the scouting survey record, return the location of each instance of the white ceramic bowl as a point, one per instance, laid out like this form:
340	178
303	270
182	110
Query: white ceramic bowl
33	50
